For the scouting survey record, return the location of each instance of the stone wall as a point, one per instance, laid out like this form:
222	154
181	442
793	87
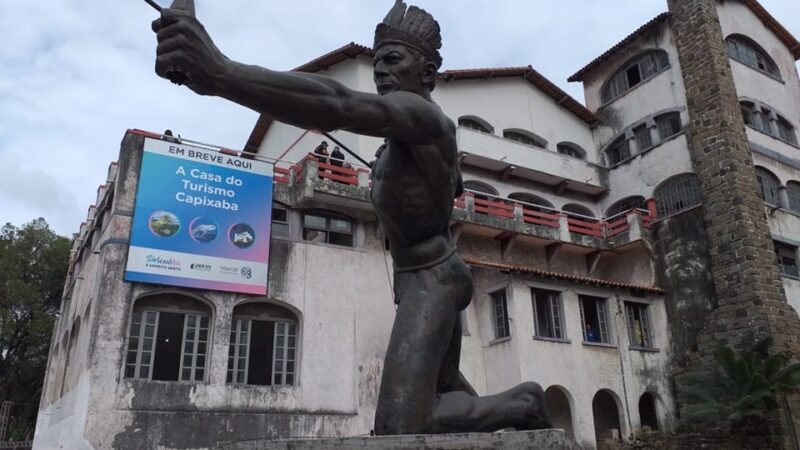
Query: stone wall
749	293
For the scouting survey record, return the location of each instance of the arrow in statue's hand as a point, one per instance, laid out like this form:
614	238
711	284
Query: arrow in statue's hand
187	7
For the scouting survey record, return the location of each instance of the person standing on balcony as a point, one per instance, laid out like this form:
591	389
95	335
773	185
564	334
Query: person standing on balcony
321	152
415	180
337	157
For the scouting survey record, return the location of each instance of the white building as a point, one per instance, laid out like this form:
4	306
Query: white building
574	216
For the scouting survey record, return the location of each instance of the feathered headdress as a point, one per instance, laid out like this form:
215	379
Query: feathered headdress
414	28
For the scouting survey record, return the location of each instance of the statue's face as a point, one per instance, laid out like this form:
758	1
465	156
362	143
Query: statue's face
397	68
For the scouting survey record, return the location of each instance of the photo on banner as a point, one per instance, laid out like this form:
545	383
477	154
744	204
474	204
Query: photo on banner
201	219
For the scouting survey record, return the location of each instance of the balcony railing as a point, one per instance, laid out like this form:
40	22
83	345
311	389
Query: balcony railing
506	208
568	226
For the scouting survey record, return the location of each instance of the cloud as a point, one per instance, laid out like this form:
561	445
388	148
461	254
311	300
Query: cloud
74	75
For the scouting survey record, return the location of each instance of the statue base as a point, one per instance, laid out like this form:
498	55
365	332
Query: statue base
512	440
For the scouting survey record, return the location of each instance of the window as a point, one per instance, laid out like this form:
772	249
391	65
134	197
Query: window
747	52
474	123
769	187
786	256
166	342
618	151
500	314
634	72
626	204
328	228
263	346
478	186
643	138
793	191
677	193
573	208
639	330
525	137
668	125
761	117
280	220
570	149
531	199
594	318
547	316
785	130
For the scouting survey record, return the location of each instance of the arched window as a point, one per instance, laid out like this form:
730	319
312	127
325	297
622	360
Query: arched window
761	117
575	208
479	186
530	199
746	51
168	338
263	346
633	73
793	191
768	186
647	411
669	125
525	137
475	123
329	228
571	149
677	193
618	151
626	204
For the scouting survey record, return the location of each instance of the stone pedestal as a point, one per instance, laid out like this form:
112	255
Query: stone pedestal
515	440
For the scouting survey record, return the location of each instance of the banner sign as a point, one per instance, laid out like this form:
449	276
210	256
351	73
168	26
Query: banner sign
201	220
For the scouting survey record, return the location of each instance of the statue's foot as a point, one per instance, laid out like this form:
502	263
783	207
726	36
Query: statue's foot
521	407
524	407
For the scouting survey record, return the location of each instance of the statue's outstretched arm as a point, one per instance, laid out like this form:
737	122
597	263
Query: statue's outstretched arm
300	99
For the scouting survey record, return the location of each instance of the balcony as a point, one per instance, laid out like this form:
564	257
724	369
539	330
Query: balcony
311	183
508	157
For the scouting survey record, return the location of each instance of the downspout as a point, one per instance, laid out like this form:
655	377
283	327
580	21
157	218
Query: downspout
622	371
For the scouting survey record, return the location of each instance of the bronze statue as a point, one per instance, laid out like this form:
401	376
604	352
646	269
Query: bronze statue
415	180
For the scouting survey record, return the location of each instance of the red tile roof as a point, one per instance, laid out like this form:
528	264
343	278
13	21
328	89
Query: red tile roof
766	18
562	276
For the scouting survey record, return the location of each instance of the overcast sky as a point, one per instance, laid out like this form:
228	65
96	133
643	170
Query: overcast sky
75	74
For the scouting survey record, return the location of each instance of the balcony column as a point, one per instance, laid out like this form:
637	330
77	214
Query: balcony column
635	224
469	206
783	197
310	176
563	228
363	178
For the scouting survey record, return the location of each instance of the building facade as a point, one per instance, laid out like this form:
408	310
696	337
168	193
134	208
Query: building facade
586	228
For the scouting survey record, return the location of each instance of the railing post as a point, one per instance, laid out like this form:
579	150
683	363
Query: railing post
563	228
519	214
634	225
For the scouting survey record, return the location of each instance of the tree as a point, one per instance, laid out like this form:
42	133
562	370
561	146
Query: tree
740	388
33	268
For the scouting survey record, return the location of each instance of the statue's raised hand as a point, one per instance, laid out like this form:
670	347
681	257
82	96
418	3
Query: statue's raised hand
186	54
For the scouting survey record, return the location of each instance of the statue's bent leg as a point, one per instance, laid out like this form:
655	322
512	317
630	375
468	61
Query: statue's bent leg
429	301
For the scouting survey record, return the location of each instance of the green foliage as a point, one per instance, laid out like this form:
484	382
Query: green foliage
33	267
740	386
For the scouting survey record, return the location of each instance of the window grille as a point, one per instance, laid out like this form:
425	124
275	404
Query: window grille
500	314
618	151
639	330
786	131
283	367
523	138
474	124
643	138
769	187
668	125
793	191
547	315
786	256
676	194
633	73
254	341
570	150
627	203
751	54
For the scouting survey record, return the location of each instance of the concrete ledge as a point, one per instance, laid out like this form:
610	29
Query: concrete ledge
515	440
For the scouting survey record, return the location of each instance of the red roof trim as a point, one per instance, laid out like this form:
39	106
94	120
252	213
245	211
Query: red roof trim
562	276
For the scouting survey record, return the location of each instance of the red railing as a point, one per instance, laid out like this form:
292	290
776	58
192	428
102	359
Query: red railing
493	206
539	216
282	175
586	227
